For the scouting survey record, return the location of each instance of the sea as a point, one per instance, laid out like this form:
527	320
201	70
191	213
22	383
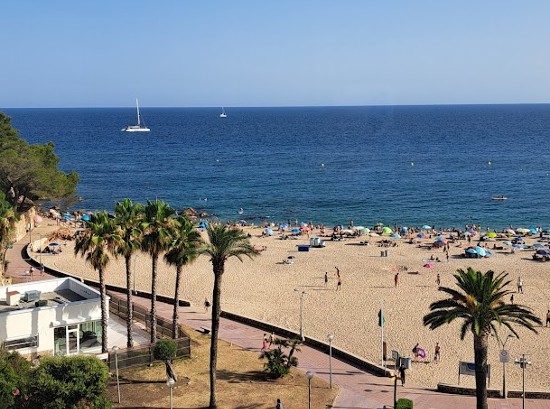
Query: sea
397	165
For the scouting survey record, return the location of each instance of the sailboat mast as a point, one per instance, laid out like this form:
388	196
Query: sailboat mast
137	108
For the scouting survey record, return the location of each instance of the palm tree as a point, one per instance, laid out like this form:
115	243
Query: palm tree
97	242
184	249
127	219
157	223
223	244
8	217
480	303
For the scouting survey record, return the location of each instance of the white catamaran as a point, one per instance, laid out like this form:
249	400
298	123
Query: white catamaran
140	127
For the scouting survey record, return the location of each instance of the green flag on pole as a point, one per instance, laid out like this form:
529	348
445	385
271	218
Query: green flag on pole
381	319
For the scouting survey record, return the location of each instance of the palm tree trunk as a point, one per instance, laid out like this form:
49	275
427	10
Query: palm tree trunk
480	355
129	304
215	324
175	317
154	299
104	311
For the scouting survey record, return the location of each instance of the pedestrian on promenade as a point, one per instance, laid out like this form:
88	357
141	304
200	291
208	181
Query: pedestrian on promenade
402	374
206	305
31	271
265	343
271	339
279	405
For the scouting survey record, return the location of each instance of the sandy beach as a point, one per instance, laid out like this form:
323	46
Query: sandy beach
263	288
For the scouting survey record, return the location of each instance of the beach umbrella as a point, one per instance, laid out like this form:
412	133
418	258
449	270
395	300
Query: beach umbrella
303	224
268	231
532	230
538	245
488	253
386	230
395	236
366	230
523	230
491	234
429	265
67	217
404	230
471	250
295	230
518	246
283	225
543	252
203	225
507	243
426	227
86	217
421	236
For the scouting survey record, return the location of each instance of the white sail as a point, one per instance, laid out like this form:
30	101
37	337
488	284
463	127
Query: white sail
139	127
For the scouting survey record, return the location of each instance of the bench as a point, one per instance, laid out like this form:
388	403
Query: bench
205	330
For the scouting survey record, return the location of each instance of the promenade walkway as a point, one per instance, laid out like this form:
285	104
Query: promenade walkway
358	389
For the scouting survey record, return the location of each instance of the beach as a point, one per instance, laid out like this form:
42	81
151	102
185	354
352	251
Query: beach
264	288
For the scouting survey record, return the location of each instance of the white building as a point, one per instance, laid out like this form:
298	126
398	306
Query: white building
52	317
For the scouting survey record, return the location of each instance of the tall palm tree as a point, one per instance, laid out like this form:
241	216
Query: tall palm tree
183	250
8	217
127	219
480	303
157	224
223	243
97	242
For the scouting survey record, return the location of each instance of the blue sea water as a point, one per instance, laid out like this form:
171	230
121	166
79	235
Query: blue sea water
410	165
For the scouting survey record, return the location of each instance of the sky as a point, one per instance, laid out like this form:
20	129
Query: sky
176	53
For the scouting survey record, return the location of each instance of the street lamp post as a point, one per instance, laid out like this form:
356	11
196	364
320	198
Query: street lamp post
504	358
170	382
115	350
301	313
309	376
40	244
523	363
330	339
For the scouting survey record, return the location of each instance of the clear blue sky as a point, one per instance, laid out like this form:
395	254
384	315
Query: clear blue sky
273	53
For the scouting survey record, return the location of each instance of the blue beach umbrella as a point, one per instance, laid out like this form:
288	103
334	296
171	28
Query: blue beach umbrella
543	252
268	231
533	230
471	250
426	227
86	217
538	245
203	225
481	251
421	235
296	230
395	236
283	225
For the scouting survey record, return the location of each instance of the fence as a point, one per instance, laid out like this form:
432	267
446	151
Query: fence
143	355
118	307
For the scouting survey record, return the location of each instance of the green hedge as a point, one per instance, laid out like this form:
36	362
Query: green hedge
404	404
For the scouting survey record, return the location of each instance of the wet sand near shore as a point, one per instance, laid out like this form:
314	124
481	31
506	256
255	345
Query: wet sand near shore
263	288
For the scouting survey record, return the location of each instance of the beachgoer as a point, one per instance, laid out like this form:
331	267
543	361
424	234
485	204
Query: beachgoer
548	318
265	343
326	278
41	270
279	405
437	353
447	255
512	299
337	271
415	350
402	374
206	305
396	279
438	280
31	271
339	284
520	285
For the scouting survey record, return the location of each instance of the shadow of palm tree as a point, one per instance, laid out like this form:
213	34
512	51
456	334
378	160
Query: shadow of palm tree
255	376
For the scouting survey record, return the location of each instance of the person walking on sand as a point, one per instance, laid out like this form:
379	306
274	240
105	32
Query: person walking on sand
337	272
520	285
206	305
437	353
548	318
279	405
438	280
396	279
326	278
512	299
339	284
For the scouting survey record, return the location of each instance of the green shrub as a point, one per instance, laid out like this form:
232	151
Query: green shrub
14	378
165	350
69	382
404	404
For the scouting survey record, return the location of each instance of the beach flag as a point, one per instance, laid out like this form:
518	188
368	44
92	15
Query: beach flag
381	319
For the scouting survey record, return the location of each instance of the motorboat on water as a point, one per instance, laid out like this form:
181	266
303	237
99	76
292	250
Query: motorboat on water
499	197
140	127
223	114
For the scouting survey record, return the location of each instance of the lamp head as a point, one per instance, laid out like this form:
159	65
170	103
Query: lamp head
114	348
330	337
310	375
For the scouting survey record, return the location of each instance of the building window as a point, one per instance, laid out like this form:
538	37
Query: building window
78	338
20	343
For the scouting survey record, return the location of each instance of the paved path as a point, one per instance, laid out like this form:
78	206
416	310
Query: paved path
358	389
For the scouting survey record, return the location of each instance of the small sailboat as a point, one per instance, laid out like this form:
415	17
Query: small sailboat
140	127
223	114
